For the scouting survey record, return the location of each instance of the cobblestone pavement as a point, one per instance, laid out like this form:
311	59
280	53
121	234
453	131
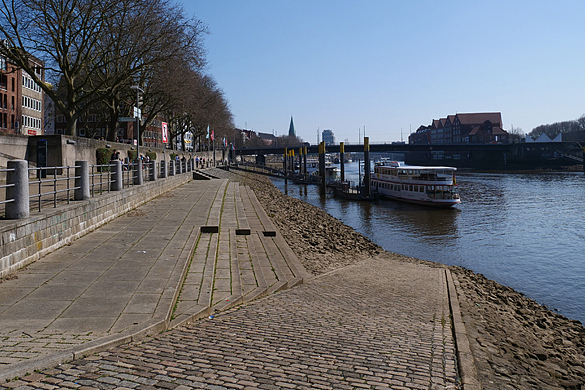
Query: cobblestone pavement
379	324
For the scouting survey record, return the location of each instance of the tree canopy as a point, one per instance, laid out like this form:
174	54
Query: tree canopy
93	51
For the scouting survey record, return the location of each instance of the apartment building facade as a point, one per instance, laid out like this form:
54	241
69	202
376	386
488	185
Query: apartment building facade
21	99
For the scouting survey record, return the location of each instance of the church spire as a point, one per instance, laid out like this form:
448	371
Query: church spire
291	128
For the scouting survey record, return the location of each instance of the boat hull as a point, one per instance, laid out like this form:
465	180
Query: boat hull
437	203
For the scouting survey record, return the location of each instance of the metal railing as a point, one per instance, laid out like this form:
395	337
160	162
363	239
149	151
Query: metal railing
51	186
60	185
3	188
100	177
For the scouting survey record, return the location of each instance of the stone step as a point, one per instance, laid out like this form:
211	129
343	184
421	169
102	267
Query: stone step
235	260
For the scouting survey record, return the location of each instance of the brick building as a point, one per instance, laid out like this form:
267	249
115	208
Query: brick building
470	128
21	99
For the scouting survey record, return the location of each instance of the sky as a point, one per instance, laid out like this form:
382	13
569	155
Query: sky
386	67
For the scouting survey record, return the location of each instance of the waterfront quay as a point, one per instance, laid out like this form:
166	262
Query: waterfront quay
198	289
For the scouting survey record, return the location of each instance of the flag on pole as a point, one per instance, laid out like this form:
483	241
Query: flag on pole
212	135
207	136
224	142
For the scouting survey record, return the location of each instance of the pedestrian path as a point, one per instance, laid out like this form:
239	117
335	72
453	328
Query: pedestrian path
203	247
381	324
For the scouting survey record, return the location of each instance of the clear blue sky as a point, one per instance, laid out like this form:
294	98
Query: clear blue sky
390	65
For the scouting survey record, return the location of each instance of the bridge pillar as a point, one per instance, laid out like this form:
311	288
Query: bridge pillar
367	169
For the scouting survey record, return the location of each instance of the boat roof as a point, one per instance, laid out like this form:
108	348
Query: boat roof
400	164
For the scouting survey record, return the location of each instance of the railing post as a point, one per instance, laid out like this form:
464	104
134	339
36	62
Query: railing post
138	172
18	178
81	180
163	169
152	171
172	168
117	177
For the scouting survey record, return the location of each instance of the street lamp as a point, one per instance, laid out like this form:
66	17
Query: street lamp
137	116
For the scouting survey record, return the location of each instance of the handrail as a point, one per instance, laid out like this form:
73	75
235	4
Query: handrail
56	185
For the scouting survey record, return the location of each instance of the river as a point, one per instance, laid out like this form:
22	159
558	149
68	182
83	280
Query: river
523	230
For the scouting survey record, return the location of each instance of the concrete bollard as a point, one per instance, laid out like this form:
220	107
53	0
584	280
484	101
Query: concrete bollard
138	172
152	171
117	183
172	168
81	180
18	179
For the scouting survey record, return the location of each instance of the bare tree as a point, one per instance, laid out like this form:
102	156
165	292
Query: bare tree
95	49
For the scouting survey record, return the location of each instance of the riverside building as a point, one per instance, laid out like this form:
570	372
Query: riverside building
21	99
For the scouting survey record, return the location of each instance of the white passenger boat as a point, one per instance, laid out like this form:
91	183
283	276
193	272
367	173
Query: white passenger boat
433	186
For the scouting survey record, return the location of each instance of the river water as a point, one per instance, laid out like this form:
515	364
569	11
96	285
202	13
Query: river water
523	230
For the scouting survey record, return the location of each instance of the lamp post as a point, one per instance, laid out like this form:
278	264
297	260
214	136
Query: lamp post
137	116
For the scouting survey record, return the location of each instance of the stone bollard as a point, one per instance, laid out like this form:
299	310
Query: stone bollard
81	180
163	169
17	178
172	168
152	171
138	172
117	183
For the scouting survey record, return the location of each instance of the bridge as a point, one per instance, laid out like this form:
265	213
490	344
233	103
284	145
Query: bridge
478	156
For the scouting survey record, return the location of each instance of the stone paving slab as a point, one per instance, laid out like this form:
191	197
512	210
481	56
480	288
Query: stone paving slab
118	277
364	327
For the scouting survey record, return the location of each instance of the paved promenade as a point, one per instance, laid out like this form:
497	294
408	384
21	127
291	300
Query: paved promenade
208	251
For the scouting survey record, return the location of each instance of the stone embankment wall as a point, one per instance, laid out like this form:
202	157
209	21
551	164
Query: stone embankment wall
26	240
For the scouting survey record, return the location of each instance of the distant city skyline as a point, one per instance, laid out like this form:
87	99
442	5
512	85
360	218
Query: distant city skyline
389	67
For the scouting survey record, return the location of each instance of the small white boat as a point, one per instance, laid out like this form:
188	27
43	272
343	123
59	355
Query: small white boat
331	171
433	186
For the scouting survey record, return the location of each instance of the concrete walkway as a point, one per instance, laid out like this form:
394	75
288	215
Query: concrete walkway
194	253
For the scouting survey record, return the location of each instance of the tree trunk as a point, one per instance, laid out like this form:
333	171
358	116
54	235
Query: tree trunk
71	127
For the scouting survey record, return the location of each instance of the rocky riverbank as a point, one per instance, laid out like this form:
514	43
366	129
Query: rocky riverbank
517	343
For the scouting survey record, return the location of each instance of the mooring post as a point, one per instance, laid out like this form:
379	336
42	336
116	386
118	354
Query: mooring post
367	175
284	161
301	160
322	163
342	159
292	161
304	160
